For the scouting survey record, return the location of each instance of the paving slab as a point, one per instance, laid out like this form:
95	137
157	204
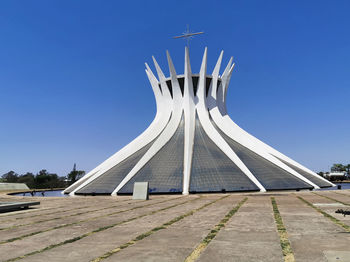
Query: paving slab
28	229
183	236
310	233
344	192
42	240
50	206
329	206
250	235
337	256
62	214
338	196
85	249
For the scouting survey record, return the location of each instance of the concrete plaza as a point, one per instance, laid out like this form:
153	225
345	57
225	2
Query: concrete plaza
275	226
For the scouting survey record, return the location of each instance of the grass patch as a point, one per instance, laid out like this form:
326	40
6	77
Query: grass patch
330	198
342	194
212	234
79	222
98	230
45	214
64	211
61	217
332	218
152	231
287	251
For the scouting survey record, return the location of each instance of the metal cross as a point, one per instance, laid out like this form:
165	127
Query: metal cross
188	35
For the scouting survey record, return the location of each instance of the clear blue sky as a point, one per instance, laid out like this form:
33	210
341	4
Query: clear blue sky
73	87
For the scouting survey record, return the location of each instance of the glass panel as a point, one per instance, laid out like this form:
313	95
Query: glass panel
106	183
268	174
212	170
313	179
164	171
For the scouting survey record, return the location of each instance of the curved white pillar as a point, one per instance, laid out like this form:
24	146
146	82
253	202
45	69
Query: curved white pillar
190	121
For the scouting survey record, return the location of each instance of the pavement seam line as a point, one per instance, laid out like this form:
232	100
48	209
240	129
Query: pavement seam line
61	217
32	211
287	251
342	194
154	230
45	214
64	211
71	240
325	214
213	232
79	222
330	198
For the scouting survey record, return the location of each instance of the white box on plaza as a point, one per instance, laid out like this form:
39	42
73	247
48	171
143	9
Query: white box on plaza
140	191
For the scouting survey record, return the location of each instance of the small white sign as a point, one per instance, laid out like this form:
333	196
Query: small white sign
140	191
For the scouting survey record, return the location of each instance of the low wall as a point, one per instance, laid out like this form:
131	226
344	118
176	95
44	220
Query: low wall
13	186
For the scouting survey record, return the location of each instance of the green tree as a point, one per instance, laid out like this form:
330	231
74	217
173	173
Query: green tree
338	168
28	179
10	177
347	167
45	179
